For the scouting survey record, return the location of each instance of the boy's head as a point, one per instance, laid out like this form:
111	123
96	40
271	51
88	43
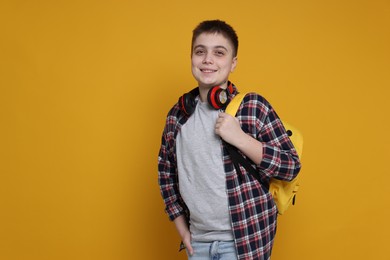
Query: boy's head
216	26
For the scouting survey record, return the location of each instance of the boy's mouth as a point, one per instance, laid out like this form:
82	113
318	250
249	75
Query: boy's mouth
207	70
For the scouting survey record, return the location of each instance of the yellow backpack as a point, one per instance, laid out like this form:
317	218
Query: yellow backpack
283	192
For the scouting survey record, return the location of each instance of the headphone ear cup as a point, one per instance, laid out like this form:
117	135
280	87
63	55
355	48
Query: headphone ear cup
187	103
217	97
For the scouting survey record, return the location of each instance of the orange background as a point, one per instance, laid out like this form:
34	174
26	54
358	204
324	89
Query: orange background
85	87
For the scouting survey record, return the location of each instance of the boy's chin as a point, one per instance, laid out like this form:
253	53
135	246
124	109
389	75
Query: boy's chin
209	84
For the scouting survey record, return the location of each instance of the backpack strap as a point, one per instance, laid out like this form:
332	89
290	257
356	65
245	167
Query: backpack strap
237	159
234	104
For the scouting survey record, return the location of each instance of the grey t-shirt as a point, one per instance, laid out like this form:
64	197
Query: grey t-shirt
202	176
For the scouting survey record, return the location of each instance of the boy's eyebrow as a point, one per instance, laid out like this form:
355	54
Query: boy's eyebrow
214	47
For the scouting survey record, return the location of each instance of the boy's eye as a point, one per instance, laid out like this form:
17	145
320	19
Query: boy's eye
220	53
199	52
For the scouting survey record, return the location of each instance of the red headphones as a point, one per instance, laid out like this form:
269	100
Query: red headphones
217	97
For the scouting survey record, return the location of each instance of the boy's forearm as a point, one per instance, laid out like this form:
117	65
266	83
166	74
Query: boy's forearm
251	147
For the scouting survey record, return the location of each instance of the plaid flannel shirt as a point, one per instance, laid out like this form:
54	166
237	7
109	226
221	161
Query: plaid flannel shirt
252	209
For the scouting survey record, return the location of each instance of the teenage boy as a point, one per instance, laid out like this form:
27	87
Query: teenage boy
218	213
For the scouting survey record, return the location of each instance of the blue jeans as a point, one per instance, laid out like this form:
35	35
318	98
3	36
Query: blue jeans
217	250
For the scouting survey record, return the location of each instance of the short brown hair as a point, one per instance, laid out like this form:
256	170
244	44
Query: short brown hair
216	26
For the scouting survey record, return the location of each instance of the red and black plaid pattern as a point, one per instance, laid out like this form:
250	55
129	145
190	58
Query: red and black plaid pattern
252	209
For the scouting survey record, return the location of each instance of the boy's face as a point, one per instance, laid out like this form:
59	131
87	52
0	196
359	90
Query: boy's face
212	60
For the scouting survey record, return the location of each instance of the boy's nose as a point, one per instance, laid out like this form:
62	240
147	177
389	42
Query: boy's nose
207	59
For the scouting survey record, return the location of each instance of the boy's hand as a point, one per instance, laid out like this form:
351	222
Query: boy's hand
187	243
184	232
228	128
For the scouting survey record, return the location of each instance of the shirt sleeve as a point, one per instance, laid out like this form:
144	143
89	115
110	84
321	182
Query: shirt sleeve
168	180
280	159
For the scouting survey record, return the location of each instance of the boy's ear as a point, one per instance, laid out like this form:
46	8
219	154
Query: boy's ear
234	64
